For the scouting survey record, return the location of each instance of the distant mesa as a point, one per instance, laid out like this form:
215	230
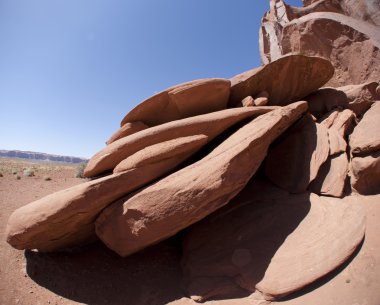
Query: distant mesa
31	155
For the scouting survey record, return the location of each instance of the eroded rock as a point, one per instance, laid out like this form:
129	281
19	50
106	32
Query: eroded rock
185	197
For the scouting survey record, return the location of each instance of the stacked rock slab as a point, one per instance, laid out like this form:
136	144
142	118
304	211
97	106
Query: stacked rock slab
185	197
182	101
330	29
296	77
211	125
270	241
365	149
66	218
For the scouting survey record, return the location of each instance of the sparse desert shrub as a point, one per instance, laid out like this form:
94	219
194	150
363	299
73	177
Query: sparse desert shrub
80	170
28	172
47	178
1	175
18	177
14	172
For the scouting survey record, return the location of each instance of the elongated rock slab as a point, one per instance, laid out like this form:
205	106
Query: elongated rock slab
294	161
366	135
270	241
170	153
211	125
185	197
66	218
286	80
126	130
182	101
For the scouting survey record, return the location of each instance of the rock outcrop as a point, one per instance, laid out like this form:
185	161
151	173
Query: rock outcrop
177	201
211	125
296	77
126	130
295	159
335	30
270	241
182	101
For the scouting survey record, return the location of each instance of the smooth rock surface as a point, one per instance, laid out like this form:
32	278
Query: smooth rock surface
294	160
269	241
126	130
286	80
182	101
66	218
366	135
170	153
185	197
211	125
331	178
365	174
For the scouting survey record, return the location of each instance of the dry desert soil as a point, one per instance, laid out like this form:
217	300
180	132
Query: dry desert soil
95	275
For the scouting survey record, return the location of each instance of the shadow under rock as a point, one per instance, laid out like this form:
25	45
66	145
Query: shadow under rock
229	252
97	276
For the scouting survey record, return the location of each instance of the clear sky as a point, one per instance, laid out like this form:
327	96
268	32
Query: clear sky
71	69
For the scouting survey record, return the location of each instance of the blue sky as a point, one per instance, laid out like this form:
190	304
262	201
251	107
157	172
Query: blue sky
70	70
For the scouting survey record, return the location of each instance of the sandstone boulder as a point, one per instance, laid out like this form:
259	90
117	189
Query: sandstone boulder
269	241
366	135
247	101
286	80
358	98
365	173
185	197
261	101
66	218
170	153
126	130
182	101
211	125
332	176
352	45
294	160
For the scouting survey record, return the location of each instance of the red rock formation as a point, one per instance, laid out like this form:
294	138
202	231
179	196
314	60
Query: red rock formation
338	31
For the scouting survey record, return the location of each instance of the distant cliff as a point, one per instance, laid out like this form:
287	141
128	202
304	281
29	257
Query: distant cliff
40	156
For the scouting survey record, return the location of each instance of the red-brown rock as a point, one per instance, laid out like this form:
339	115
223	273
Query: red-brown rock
269	241
66	218
211	125
350	43
182	101
126	130
168	153
358	98
365	174
286	80
294	160
331	178
366	135
185	197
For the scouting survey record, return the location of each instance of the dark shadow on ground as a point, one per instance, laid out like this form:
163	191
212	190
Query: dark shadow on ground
95	275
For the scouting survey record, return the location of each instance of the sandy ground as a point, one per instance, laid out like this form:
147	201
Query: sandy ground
95	275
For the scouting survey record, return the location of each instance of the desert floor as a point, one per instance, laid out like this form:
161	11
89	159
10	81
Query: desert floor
95	275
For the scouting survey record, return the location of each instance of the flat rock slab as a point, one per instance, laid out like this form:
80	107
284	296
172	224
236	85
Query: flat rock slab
294	160
269	241
211	125
66	218
182	101
365	174
171	153
331	178
185	197
126	130
366	135
286	80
